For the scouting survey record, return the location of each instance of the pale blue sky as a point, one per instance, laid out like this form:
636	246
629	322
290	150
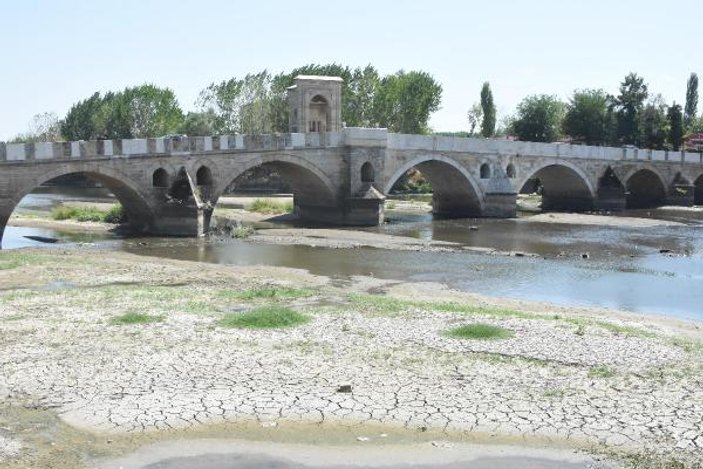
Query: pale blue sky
57	52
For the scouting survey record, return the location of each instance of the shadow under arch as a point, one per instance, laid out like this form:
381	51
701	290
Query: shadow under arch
563	186
455	193
315	197
645	188
139	214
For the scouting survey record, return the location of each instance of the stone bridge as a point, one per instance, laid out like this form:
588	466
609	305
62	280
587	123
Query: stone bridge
169	186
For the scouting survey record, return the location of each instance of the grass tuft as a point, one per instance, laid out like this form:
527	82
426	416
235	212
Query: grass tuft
600	372
269	293
480	331
267	317
135	318
114	215
268	206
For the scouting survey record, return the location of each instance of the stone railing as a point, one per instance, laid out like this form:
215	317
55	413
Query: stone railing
181	145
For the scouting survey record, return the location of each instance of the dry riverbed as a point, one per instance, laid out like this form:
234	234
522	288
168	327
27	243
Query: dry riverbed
82	382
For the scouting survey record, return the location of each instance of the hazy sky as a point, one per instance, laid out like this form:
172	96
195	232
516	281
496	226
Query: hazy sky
55	53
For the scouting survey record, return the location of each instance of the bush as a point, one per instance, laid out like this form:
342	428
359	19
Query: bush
268	206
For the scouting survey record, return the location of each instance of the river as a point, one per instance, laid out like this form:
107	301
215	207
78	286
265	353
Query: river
653	270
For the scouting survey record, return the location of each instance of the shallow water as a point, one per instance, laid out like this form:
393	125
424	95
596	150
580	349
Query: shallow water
624	268
241	461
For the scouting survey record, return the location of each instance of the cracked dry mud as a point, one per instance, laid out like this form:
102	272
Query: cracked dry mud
565	377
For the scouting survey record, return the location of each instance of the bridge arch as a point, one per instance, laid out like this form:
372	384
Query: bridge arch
455	194
645	187
136	205
698	190
564	186
314	195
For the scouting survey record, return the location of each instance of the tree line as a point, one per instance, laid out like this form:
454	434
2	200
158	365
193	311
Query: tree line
402	102
254	104
594	117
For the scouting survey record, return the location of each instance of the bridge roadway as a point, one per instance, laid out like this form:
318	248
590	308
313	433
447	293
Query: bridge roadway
169	186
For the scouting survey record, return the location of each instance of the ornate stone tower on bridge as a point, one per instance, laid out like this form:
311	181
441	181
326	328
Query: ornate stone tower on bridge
315	104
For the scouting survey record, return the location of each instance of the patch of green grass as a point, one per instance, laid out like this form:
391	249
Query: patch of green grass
630	331
267	317
390	205
268	293
13	259
268	206
483	311
242	232
600	372
380	304
83	214
480	331
688	345
135	318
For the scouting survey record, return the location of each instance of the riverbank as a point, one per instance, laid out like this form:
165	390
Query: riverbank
373	355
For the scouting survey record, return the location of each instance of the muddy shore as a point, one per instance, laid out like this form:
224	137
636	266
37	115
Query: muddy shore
374	353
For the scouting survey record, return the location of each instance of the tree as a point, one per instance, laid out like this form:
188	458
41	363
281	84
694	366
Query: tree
198	124
488	124
691	109
44	127
675	117
404	101
151	111
629	103
653	125
362	90
138	112
587	117
538	118
475	117
85	120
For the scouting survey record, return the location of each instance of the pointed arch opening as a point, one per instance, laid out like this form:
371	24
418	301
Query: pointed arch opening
485	171
368	174
160	178
282	189
82	196
454	192
557	187
645	189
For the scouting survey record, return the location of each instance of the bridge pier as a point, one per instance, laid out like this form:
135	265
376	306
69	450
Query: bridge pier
611	199
682	195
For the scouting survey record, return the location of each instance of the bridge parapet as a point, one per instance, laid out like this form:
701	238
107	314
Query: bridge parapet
28	152
355	137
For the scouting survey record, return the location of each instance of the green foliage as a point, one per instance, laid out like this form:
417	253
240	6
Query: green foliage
14	259
588	118
135	318
268	206
654	125
138	112
198	124
475	117
675	117
600	372
628	105
480	331
404	102
488	111
114	215
538	118
242	232
267	317
268	293
691	107
412	182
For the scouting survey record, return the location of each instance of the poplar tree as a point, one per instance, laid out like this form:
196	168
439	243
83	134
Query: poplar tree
488	124
691	108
